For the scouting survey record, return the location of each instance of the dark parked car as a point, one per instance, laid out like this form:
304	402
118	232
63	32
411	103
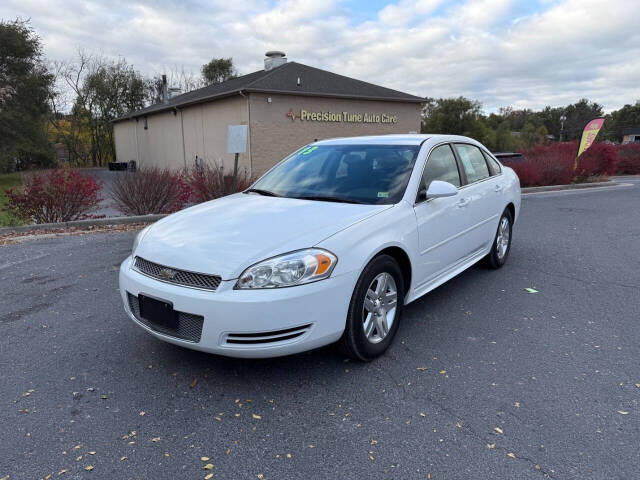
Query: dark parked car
509	158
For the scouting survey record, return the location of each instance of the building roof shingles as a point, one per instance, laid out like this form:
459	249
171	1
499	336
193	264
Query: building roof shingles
284	79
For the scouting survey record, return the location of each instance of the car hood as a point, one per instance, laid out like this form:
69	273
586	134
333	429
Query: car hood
226	235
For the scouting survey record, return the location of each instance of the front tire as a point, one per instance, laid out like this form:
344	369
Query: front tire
497	257
375	310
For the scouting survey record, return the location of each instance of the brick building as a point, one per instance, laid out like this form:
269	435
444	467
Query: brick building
285	106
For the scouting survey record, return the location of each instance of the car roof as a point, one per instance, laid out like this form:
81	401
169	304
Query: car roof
393	139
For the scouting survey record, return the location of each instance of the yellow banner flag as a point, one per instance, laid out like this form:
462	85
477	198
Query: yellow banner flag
589	134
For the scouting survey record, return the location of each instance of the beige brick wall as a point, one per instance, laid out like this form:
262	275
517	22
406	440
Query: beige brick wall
205	135
273	135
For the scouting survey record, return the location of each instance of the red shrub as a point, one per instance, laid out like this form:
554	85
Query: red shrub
628	159
149	190
209	182
58	195
546	165
554	164
598	160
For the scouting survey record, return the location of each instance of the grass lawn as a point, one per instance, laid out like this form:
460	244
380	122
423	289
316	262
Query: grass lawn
8	180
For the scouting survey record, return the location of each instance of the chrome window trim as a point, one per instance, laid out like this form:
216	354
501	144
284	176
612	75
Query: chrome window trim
444	142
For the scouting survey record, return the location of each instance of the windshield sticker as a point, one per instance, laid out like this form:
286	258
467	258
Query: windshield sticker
383	194
308	150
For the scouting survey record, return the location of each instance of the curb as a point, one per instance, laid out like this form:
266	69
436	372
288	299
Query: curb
84	224
573	186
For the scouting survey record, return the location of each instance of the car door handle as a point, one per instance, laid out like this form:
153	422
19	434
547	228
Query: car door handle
463	202
497	188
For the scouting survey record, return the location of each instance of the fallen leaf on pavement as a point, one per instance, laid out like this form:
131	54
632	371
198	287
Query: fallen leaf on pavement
155	439
193	384
204	459
422	369
531	290
442	372
512	455
622	412
491	445
208	476
208	466
499	430
257	417
88	468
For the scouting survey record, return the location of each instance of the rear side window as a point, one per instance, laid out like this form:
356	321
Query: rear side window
441	165
493	165
475	166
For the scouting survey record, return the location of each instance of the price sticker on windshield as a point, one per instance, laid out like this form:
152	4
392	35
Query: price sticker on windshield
383	194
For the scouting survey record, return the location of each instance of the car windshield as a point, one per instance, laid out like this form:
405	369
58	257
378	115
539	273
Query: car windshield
370	174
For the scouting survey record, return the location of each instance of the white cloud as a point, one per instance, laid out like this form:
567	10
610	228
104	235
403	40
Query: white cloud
567	50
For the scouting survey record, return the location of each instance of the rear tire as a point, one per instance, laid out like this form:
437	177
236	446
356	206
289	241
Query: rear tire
501	247
375	310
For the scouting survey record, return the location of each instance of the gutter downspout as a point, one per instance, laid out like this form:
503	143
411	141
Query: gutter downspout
249	128
135	126
184	154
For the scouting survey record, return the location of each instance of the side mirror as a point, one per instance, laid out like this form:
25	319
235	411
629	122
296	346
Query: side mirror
439	189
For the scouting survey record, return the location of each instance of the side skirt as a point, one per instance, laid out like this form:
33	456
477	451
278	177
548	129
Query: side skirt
460	267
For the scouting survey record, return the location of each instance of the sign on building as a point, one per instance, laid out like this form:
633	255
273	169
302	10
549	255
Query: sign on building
237	139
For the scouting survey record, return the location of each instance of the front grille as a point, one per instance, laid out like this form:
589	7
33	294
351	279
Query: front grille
177	277
266	337
189	325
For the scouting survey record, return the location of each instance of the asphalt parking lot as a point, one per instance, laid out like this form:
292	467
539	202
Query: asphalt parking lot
484	380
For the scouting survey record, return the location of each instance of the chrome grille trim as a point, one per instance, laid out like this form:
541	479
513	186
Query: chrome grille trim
189	325
181	277
265	338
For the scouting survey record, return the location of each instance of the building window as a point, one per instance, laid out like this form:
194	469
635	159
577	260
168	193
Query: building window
146	125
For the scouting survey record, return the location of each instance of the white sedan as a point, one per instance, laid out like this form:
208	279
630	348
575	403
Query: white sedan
328	246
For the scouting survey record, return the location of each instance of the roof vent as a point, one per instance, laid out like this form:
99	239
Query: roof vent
274	59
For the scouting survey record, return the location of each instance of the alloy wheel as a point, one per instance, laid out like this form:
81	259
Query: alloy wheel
379	308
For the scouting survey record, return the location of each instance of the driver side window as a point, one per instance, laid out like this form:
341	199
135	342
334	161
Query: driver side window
441	165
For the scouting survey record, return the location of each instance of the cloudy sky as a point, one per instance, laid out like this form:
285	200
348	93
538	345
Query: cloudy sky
526	53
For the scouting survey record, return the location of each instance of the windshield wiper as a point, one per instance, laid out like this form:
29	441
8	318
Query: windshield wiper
330	199
266	193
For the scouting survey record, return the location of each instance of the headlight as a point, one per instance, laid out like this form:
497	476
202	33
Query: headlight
295	268
138	238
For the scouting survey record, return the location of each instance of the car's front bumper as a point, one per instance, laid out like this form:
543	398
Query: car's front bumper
248	323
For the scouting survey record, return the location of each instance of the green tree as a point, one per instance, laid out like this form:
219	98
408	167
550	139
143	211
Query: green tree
218	70
528	135
103	90
616	121
455	116
578	115
25	86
